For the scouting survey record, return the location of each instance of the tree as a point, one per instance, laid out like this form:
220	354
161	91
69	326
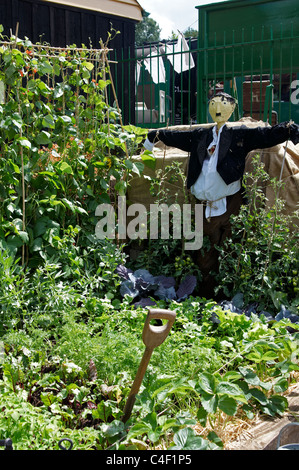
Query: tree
191	33
146	31
188	33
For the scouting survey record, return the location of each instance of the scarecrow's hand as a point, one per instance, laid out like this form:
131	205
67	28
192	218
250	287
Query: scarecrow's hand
149	141
148	145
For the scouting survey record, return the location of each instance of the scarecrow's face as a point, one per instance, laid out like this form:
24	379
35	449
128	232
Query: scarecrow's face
220	110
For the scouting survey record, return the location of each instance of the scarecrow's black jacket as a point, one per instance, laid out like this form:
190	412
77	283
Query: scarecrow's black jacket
235	143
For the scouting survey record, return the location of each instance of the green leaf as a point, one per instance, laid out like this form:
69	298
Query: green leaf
228	405
138	168
58	91
65	119
212	436
48	121
148	160
44	89
138	429
88	65
43	224
15	167
281	385
186	439
24	236
178	387
102	84
259	396
43	138
113	429
64	167
270	356
209	402
45	67
68	204
249	376
231	376
103	411
202	415
230	389
277	405
207	383
25	143
121	187
48	398
15	241
37	244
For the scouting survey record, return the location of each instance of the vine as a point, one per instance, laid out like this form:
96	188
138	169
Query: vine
61	144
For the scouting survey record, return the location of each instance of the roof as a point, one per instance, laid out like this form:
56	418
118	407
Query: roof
125	8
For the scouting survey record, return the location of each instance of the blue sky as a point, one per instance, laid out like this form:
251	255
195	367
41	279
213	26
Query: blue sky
173	15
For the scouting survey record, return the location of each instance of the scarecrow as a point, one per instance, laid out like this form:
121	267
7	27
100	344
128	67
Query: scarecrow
216	167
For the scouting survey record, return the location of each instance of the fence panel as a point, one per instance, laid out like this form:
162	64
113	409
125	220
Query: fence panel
174	81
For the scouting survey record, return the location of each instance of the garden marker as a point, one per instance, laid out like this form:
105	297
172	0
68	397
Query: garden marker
152	337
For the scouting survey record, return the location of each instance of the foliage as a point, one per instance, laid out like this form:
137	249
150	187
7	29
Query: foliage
147	31
191	33
61	146
177	262
261	259
61	376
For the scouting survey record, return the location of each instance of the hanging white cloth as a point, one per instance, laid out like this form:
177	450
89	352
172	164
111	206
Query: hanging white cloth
137	75
155	66
179	55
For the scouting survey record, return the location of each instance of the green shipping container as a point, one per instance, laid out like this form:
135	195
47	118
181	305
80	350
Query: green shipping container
248	37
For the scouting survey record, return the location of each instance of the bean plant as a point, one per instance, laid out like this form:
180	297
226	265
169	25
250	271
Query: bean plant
62	146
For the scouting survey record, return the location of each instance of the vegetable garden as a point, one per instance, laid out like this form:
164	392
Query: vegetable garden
70	325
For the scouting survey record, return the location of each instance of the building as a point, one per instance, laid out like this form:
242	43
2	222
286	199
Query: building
65	22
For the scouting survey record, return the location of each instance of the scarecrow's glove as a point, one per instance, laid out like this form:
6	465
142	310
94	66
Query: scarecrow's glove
148	145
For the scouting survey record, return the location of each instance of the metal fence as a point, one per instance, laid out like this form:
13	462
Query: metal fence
171	83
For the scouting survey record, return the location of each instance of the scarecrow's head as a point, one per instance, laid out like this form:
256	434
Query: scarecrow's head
221	107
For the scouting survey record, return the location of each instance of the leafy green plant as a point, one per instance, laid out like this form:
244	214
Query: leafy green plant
71	375
261	257
176	261
61	145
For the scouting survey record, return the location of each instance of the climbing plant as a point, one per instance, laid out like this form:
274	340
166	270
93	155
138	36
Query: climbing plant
62	145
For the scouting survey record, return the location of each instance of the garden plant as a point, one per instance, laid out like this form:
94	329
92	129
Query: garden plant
70	332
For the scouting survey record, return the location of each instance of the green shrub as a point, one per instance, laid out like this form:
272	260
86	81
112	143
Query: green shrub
261	258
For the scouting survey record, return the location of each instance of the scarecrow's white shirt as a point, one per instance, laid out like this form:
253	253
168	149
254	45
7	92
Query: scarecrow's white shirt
210	186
